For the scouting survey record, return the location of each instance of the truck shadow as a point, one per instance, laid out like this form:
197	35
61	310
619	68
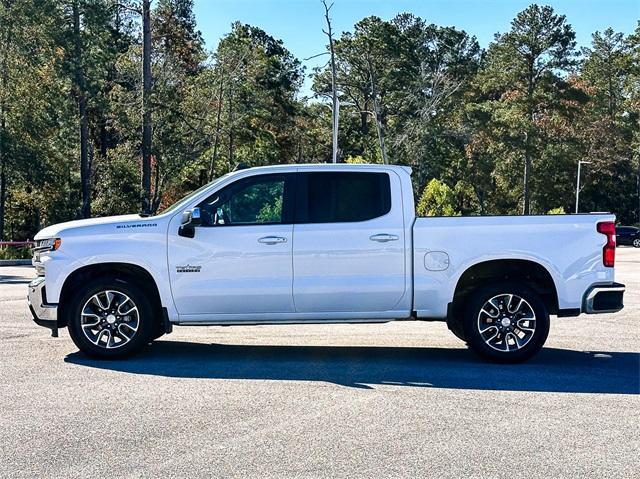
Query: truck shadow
552	370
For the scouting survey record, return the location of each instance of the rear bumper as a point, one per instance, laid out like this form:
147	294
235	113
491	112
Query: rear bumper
604	298
44	314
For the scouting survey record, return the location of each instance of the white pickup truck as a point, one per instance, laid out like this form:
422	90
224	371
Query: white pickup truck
320	244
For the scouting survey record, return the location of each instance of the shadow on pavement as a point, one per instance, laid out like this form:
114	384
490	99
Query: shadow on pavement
552	370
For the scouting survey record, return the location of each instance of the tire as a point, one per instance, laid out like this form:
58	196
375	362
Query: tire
503	329
636	243
114	309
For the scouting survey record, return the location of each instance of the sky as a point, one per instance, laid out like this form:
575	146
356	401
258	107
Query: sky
299	23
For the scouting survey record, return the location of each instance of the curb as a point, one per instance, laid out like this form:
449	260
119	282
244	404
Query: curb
15	262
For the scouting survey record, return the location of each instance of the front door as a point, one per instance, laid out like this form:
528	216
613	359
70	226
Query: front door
239	262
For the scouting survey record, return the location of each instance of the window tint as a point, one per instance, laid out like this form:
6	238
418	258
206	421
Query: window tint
336	197
251	201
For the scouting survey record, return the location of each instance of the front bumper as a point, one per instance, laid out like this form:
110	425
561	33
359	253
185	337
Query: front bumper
43	314
605	298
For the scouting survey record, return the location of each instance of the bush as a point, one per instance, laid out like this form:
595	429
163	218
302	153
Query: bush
557	211
12	252
437	200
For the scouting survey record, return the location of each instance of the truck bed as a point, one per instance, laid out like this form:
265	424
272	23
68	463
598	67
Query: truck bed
567	246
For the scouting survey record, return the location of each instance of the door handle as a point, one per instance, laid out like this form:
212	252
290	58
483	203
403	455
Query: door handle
383	238
272	240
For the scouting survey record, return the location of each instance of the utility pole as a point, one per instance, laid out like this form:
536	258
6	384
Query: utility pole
580	163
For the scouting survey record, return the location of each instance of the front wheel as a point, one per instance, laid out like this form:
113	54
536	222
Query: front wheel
636	243
506	322
110	318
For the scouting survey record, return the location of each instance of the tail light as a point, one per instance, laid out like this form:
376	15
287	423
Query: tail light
608	228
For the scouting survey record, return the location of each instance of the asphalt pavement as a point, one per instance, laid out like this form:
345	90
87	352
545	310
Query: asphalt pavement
404	399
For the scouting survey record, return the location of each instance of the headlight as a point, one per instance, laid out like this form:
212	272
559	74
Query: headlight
49	244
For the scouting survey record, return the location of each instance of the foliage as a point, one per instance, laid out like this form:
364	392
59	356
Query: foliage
469	122
11	252
437	199
557	211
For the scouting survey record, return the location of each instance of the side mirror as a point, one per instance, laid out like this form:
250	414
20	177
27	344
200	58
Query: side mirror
190	219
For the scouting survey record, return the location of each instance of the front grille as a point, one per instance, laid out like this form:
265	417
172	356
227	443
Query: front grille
37	265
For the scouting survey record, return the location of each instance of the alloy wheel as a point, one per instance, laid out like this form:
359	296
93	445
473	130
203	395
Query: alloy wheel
110	319
506	322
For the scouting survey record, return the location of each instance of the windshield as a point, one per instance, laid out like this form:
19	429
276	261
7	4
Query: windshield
180	203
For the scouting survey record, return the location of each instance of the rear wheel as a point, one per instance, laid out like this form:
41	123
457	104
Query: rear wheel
110	318
506	322
636	242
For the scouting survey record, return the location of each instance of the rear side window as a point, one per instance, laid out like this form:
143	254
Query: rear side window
339	197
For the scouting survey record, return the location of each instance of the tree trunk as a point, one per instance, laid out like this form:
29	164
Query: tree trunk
526	209
157	188
638	188
364	129
3	192
528	156
334	88
216	142
376	111
146	107
230	159
85	166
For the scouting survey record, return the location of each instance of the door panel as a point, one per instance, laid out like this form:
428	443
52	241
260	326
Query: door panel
240	259
238	272
356	266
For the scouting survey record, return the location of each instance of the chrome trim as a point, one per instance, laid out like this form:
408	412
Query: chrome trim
593	292
42	311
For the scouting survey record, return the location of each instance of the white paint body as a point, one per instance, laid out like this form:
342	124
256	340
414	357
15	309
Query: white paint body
331	271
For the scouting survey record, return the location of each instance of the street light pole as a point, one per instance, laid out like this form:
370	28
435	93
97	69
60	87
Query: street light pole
578	182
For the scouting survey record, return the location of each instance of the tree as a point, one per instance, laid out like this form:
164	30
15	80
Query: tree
522	77
117	102
33	118
605	68
7	34
606	125
632	106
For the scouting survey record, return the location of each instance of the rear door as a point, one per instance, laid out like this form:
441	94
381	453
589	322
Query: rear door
349	242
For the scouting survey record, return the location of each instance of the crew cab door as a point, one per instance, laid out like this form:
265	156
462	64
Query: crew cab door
239	260
349	242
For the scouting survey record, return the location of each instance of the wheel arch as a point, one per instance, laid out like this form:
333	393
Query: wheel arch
126	271
532	274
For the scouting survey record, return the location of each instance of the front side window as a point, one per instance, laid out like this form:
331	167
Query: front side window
250	201
339	197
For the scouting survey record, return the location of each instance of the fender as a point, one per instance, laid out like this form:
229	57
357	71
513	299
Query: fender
148	251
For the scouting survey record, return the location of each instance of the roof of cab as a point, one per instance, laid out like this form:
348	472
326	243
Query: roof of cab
329	166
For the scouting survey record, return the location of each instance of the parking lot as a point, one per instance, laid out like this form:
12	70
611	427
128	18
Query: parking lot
403	399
